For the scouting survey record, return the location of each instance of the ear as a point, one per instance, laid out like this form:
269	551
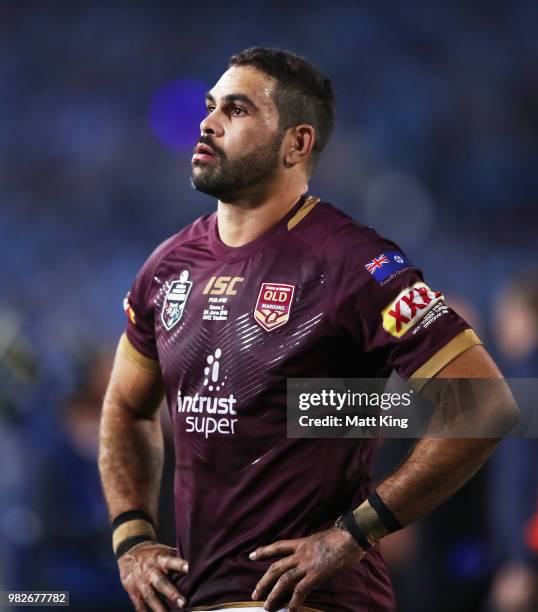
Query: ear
298	144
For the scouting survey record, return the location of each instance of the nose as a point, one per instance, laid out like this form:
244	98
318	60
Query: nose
211	124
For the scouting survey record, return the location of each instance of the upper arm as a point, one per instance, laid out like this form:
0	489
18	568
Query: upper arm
475	362
487	403
392	315
135	383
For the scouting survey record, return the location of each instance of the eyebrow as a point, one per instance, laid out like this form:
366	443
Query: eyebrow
234	97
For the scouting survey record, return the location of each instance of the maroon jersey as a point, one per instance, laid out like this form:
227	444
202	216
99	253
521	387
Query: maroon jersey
311	297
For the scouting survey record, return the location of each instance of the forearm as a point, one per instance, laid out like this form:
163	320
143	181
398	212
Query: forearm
130	460
437	467
433	472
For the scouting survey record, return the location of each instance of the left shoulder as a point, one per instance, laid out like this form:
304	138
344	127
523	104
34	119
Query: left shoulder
337	238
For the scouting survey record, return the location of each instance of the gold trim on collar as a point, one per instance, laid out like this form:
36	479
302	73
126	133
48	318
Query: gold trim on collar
309	204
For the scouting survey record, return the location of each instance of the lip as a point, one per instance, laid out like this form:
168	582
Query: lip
203	152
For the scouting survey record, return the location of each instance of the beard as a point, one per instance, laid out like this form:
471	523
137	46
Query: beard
226	179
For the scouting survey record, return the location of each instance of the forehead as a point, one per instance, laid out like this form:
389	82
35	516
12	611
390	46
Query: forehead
258	86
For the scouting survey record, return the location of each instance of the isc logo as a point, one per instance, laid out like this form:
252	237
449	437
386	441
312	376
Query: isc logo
222	285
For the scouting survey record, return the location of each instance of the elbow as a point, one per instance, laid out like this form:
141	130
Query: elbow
512	415
508	414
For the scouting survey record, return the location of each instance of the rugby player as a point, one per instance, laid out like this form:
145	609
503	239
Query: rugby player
274	284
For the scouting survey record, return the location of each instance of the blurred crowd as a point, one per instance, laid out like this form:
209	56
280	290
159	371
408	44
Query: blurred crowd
435	146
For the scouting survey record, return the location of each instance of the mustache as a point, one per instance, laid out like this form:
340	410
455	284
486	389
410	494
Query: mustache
207	140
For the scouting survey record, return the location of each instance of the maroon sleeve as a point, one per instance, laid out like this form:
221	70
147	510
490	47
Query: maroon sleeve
399	321
140	312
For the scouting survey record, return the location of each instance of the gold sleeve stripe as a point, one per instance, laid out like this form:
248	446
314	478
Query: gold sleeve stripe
450	351
136	358
243	604
132	528
303	211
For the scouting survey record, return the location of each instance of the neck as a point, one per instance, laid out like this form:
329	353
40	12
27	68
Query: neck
251	214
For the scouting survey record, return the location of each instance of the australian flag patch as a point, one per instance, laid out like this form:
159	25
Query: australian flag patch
386	264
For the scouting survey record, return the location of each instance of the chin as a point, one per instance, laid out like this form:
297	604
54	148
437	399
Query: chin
200	179
200	183
214	190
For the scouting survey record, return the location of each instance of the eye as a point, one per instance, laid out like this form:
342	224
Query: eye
237	111
209	109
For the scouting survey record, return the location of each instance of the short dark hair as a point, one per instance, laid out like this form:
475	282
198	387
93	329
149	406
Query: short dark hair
303	93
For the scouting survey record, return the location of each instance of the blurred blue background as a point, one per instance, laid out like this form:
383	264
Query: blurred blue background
435	146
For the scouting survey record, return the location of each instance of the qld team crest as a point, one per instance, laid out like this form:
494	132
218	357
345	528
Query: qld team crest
273	306
175	300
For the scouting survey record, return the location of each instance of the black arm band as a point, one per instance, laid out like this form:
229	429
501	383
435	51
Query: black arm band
131	515
389	520
349	522
130	542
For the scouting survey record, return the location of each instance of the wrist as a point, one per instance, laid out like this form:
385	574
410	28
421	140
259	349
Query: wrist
347	523
370	522
130	529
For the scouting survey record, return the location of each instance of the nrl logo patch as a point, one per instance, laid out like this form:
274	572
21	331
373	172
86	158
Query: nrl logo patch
175	300
273	306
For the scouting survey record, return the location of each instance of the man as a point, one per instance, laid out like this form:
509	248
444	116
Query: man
275	284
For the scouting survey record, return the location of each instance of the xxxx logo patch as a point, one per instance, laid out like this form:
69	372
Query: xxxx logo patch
408	308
